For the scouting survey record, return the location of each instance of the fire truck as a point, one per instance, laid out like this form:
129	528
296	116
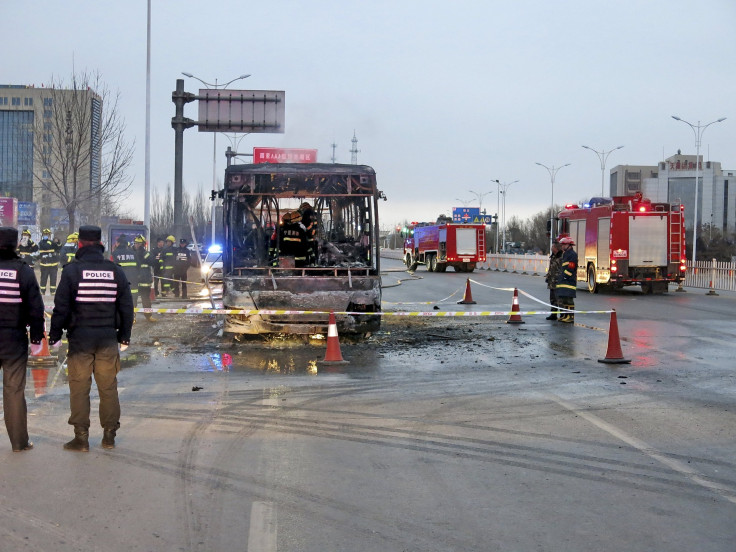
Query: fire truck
626	241
444	244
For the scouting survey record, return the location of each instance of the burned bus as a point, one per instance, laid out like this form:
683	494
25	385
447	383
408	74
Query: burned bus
301	237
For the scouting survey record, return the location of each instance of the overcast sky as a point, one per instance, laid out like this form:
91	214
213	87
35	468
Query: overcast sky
443	96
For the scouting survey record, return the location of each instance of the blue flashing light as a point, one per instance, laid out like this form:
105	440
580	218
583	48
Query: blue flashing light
215	249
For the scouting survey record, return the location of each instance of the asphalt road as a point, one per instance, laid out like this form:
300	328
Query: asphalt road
442	433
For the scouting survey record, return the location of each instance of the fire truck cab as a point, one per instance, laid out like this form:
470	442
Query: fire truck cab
627	240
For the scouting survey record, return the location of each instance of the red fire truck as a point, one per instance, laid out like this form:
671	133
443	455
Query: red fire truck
444	244
627	240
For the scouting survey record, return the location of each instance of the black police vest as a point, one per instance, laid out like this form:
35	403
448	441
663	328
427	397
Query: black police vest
10	298
95	299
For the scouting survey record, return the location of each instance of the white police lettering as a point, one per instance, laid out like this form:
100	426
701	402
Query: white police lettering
8	274
97	275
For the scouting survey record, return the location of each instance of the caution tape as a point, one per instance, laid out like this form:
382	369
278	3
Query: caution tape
252	312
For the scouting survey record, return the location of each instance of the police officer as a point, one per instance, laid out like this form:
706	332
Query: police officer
93	303
182	262
145	278
553	273
567	280
69	249
21	305
126	257
167	265
293	239
27	247
48	258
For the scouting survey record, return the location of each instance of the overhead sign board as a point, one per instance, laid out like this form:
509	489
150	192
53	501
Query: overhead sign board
284	155
465	214
223	110
27	213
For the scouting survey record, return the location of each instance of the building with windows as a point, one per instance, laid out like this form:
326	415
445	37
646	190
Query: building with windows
673	180
39	127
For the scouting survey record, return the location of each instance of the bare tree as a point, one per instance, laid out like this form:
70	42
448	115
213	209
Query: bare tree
194	207
81	155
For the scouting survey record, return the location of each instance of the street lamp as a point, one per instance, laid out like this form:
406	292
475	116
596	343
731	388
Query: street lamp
480	196
603	156
214	143
503	209
552	173
498	208
698	131
464	201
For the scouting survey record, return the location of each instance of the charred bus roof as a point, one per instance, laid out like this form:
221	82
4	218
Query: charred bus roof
301	179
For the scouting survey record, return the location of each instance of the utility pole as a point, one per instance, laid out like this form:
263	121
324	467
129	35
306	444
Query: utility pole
354	151
334	158
179	123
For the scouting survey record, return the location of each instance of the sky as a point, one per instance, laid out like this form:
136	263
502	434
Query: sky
444	98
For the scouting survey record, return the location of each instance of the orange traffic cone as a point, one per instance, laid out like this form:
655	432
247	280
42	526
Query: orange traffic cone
515	318
333	354
468	296
614	355
40	353
40	380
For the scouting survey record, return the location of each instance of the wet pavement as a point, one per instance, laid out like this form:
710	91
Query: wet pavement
452	434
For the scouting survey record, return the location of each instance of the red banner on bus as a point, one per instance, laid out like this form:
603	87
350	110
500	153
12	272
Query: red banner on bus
284	155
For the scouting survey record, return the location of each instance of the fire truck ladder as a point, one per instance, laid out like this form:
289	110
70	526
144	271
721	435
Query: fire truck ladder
675	236
481	242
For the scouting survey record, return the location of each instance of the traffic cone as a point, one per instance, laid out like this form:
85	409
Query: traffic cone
40	380
515	318
40	353
468	296
614	355
333	354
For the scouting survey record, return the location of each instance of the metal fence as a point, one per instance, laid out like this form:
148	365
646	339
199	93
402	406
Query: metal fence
706	274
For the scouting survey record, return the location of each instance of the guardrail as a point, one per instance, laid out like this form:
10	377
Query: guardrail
705	274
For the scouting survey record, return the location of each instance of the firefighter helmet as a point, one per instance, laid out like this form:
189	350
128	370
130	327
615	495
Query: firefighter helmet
26	232
46	231
172	239
567	241
140	239
74	236
292	216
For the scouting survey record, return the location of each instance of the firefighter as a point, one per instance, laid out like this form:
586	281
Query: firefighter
21	305
567	280
182	262
167	265
309	220
157	266
293	239
125	257
145	279
69	249
553	273
27	247
48	253
93	303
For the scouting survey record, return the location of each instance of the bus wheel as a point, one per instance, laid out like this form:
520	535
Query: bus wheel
592	285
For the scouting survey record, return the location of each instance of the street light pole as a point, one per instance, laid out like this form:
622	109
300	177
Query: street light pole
214	146
552	173
480	196
698	136
498	208
503	209
603	157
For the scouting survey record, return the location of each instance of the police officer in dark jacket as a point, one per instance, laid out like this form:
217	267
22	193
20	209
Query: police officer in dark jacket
21	306
182	262
93	303
126	257
48	258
